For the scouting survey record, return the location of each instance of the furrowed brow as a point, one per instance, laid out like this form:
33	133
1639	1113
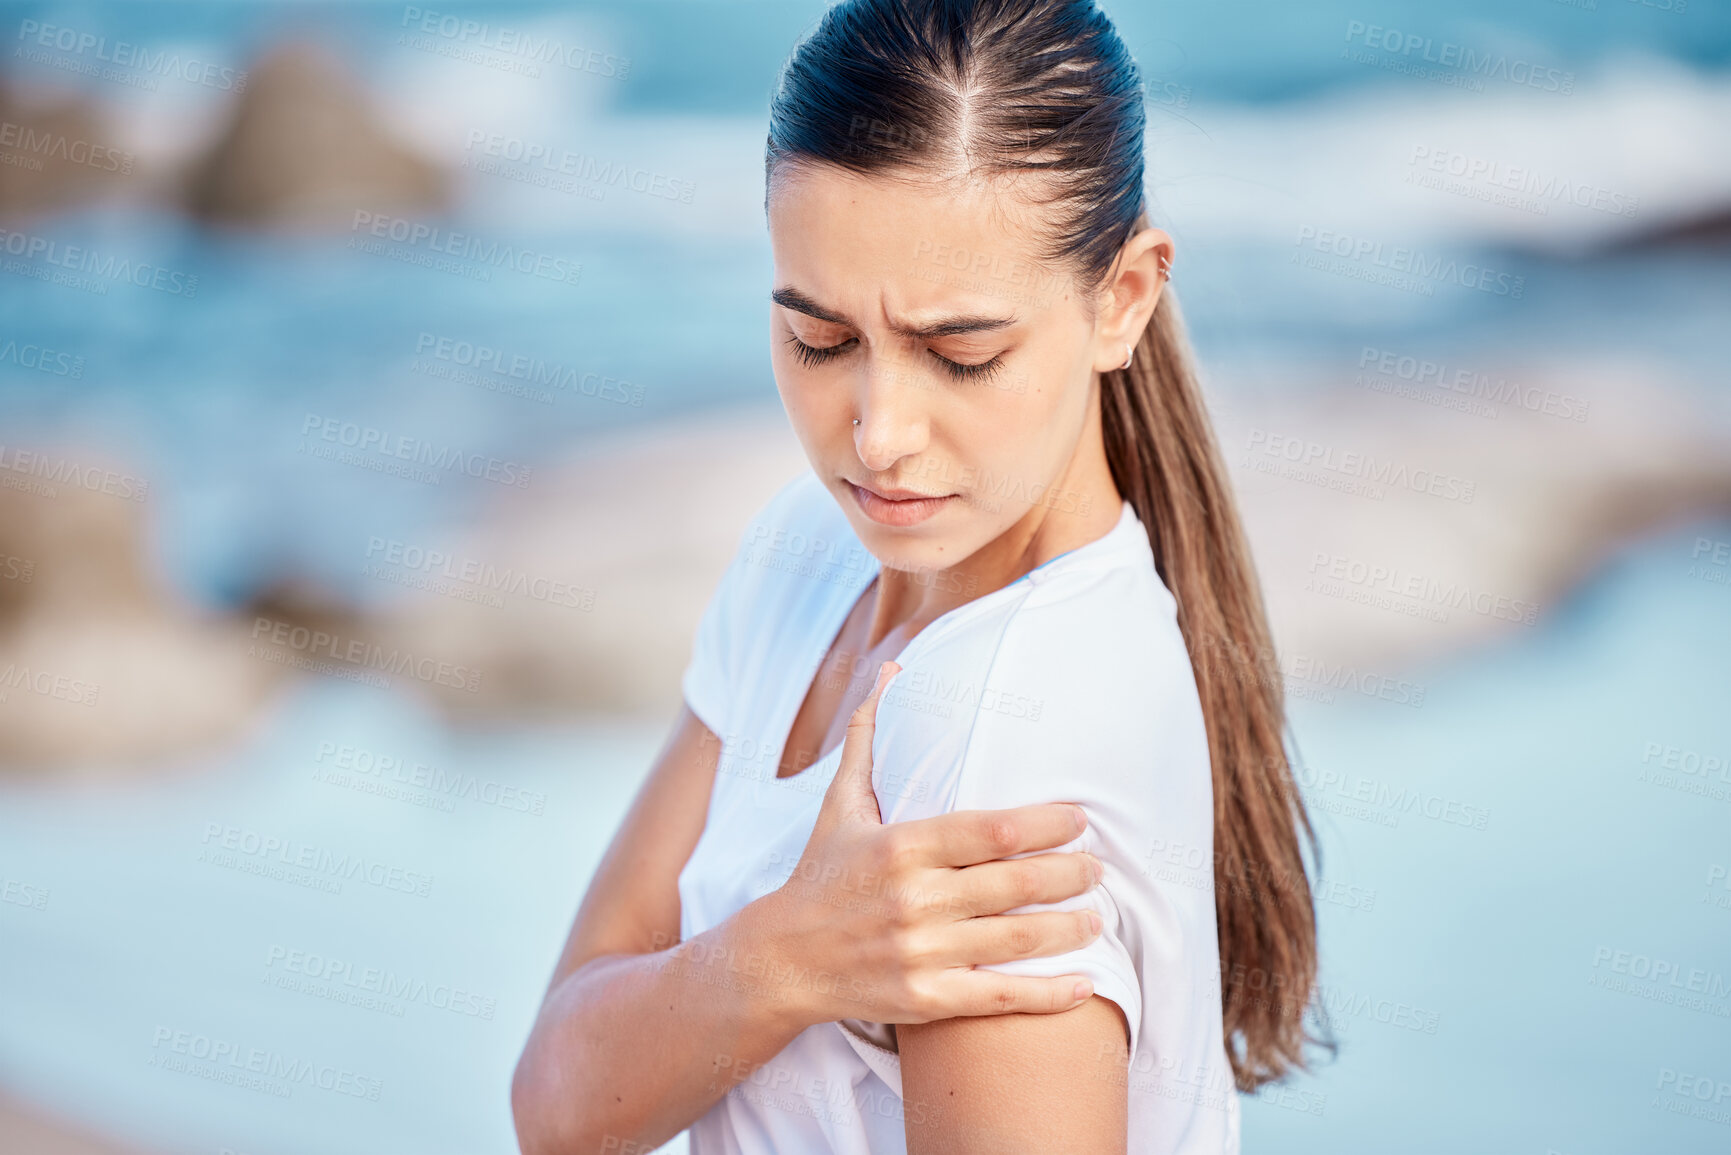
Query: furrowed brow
947	327
800	303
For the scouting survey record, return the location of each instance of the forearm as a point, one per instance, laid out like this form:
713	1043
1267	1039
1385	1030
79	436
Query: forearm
630	1049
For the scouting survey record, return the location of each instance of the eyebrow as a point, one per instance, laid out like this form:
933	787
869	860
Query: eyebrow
946	327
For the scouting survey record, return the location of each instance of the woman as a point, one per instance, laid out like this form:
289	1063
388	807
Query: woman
805	942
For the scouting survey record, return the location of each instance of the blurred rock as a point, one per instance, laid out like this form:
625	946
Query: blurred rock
635	533
1386	575
56	155
306	149
99	666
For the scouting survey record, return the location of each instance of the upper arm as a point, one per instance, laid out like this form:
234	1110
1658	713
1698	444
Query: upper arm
632	905
1048	1083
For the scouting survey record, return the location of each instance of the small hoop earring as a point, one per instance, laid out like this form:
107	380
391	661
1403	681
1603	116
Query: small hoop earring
1129	355
1166	268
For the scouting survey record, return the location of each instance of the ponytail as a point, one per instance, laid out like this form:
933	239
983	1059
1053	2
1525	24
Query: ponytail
1164	459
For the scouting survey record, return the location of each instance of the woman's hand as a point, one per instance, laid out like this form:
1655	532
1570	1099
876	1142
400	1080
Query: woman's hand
896	916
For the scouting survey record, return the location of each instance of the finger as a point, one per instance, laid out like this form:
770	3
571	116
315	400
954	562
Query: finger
967	993
994	887
964	837
852	785
1007	937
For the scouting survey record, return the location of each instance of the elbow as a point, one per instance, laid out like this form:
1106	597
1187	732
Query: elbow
527	1104
546	1113
554	1112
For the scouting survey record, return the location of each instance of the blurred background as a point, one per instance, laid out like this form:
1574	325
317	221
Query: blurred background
383	389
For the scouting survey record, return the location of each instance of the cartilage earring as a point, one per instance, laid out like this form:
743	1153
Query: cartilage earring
1129	355
1166	268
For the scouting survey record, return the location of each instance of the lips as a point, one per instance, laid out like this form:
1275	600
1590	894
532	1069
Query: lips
897	507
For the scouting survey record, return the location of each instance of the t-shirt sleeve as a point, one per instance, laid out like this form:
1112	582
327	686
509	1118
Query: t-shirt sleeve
1018	779
710	674
1085	695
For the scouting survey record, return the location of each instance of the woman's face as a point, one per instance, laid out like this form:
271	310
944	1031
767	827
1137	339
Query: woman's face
924	311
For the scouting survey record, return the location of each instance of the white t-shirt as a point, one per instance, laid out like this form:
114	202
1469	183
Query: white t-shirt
1073	684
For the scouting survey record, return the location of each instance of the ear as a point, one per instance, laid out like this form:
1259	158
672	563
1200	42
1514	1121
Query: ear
1129	295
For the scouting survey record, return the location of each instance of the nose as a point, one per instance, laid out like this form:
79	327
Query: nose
893	419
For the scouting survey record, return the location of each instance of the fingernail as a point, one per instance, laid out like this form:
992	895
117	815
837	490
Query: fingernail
886	671
1081	819
1094	923
1099	868
1083	990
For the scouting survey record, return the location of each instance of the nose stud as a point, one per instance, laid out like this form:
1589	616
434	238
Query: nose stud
856	420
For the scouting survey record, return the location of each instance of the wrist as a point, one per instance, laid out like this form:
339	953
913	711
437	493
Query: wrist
761	944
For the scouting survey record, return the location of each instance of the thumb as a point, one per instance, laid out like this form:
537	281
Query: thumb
851	789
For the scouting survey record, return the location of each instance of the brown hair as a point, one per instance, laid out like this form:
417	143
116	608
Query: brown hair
1046	87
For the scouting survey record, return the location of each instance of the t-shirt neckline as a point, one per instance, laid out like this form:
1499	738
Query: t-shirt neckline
1106	542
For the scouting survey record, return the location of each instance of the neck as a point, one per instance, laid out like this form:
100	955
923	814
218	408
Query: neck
1082	505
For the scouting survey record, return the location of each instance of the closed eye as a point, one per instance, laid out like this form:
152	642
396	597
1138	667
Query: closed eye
984	371
812	355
